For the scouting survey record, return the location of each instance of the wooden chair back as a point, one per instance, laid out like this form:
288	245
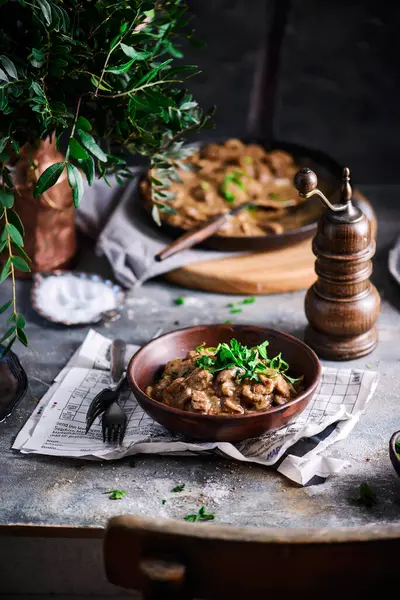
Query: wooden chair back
168	559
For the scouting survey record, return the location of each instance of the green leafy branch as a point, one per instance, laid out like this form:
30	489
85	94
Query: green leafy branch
101	78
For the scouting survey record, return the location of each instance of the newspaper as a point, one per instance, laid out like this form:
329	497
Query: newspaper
57	426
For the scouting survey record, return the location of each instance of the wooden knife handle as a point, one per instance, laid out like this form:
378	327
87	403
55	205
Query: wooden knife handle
193	237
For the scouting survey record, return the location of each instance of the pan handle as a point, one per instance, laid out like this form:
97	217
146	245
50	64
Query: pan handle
194	236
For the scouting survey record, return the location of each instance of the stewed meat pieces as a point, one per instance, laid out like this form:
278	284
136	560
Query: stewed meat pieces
220	177
189	387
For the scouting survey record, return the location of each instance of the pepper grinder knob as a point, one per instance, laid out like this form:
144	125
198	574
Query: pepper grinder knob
305	181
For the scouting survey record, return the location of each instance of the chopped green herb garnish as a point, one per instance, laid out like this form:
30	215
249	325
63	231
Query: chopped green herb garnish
366	495
163	501
180	300
234	311
200	516
179	488
116	494
205	185
227	322
274	195
249	362
185	373
204	362
233	177
200	348
232	304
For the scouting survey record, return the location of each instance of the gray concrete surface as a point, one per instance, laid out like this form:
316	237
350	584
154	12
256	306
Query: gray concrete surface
54	491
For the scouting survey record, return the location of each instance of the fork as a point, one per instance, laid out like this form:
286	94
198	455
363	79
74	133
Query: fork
104	399
114	420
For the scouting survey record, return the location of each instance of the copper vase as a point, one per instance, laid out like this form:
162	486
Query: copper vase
49	223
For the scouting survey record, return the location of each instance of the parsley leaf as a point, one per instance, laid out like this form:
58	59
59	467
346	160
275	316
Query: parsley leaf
234	311
179	488
250	300
201	515
200	348
116	494
180	301
163	501
366	495
235	178
249	362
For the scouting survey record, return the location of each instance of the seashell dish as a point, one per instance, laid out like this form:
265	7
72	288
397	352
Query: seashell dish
75	298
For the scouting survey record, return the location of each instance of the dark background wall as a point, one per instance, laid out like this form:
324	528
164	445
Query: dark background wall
339	84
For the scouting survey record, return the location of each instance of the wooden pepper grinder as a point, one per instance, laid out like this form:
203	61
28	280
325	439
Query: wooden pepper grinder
343	305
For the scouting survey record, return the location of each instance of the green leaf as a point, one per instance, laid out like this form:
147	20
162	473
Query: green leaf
3	75
118	70
14	234
20	321
10	332
76	149
24	254
22	337
76	182
5	270
9	67
37	90
88	168
46	10
8	347
187	105
6	198
5	306
16	221
20	264
3	98
84	124
3	143
90	144
48	178
132	53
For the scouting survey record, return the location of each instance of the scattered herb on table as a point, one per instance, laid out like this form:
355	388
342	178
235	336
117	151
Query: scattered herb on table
179	488
369	366
180	300
235	305
234	311
397	446
200	516
248	362
227	322
116	494
163	501
366	495
250	300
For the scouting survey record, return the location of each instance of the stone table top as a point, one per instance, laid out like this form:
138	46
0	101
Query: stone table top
52	491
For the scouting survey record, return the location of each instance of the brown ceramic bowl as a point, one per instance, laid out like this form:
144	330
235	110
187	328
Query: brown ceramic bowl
394	455
150	361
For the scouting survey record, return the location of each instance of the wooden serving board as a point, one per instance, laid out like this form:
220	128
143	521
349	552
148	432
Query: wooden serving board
270	272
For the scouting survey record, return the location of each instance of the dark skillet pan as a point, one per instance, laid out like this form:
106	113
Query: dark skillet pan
302	218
